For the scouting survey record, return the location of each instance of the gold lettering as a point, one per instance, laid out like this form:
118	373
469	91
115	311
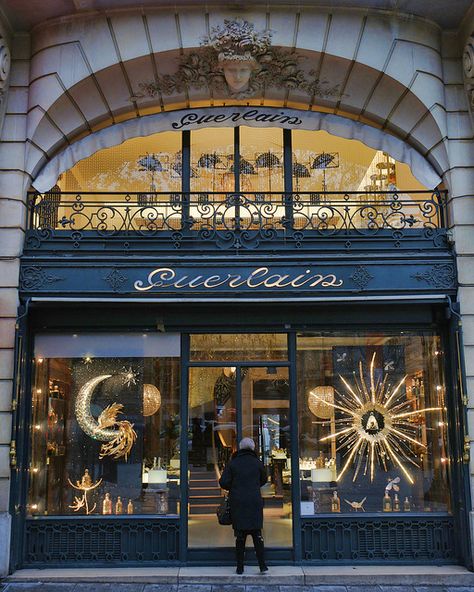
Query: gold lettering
278	282
255	273
165	277
196	282
165	274
217	278
317	279
304	277
237	278
182	282
332	281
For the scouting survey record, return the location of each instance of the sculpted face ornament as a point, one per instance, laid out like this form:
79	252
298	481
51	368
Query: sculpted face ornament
235	60
237	74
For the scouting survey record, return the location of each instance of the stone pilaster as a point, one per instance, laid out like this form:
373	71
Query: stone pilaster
13	186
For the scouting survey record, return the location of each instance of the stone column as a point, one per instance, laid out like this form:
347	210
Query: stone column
459	179
13	185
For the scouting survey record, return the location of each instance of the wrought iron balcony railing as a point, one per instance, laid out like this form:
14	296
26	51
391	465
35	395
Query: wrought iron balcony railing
235	220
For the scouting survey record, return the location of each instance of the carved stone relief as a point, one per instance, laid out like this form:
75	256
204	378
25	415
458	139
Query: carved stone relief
237	61
4	73
468	67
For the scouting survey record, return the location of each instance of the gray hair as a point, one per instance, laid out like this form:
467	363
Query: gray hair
247	443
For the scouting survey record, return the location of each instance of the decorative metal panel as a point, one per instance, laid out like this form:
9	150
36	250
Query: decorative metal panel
102	541
209	278
362	539
237	221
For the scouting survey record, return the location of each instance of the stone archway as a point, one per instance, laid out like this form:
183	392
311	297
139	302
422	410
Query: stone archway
136	65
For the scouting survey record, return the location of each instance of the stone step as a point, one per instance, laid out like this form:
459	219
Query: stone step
199	509
196	480
205	491
203	475
290	578
199	500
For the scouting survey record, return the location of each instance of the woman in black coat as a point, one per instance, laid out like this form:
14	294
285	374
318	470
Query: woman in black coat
243	477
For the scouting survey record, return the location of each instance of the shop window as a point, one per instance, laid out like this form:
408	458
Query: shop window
105	425
212	157
373	426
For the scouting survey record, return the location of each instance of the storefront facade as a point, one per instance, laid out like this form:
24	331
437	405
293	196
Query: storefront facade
239	241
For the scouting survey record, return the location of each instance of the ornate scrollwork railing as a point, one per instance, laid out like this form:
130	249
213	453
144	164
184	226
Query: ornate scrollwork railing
235	220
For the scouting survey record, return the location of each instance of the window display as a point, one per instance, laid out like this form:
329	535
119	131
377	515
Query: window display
105	425
372	418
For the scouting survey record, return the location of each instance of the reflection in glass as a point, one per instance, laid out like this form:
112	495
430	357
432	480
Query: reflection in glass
212	436
212	156
262	148
372	423
149	163
265	419
80	404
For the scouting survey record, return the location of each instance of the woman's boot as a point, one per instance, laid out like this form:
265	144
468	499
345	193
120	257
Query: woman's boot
240	553
260	551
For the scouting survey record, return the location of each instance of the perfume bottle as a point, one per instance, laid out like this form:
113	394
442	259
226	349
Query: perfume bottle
387	502
396	504
107	504
335	503
118	506
406	505
130	507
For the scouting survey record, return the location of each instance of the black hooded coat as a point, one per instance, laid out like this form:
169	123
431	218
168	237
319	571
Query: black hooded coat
242	478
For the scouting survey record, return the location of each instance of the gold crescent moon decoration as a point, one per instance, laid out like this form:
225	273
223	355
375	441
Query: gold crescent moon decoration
118	436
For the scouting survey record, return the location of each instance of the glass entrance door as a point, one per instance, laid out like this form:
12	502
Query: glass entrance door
229	400
265	404
212	437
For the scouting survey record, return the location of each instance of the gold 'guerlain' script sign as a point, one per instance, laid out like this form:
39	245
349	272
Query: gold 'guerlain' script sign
261	277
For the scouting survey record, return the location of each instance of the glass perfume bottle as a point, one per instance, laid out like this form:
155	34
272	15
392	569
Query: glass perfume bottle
396	503
107	504
387	502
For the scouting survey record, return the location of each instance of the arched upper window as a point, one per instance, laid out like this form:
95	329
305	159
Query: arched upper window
242	159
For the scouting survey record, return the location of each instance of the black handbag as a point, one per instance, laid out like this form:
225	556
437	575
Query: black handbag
223	512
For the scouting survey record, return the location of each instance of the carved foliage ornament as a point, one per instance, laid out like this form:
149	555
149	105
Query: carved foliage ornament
4	72
237	61
468	66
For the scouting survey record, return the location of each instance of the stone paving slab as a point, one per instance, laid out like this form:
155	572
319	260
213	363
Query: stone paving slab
387	577
278	575
107	575
100	587
223	579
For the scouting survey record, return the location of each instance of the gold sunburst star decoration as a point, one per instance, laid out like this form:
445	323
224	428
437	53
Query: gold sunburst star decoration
377	425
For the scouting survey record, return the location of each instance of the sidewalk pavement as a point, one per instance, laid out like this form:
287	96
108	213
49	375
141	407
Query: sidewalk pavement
223	579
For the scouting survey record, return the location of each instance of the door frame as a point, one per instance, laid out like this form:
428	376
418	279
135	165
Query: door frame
290	554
